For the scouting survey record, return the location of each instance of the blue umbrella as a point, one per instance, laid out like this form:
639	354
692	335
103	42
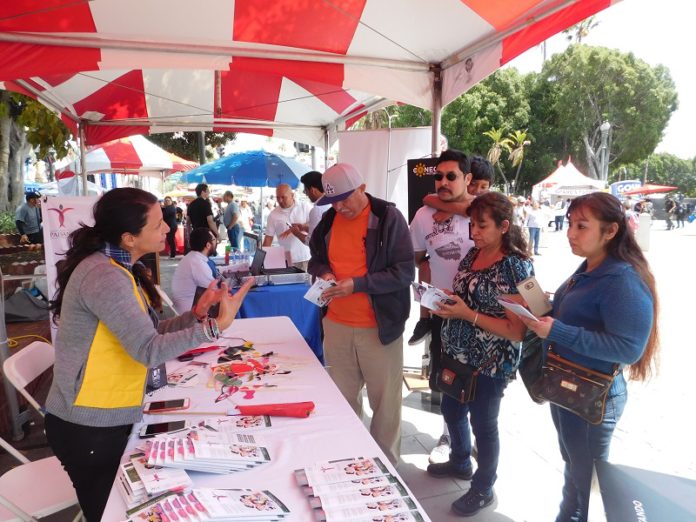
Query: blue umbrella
256	168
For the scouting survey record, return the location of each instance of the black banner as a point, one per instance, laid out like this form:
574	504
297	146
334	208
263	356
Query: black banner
420	182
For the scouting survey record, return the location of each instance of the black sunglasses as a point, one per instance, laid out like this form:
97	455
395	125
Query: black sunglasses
451	176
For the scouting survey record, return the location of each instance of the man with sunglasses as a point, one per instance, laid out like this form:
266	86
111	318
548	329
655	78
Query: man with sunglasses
445	242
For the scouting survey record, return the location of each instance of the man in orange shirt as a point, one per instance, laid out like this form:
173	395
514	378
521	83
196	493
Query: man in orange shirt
363	244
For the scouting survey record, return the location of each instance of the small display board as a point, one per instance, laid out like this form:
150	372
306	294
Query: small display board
420	182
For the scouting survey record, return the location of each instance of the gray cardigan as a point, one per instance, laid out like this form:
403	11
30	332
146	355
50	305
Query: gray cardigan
390	264
100	292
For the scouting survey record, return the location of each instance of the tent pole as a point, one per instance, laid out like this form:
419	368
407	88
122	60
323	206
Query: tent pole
326	148
437	111
83	156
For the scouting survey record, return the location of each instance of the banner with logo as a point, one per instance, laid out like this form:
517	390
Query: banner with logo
420	182
617	189
62	215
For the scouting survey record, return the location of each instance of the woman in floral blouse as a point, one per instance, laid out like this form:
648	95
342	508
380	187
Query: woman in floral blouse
480	332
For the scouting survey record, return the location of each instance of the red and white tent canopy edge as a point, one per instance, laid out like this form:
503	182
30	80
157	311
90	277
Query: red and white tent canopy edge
288	68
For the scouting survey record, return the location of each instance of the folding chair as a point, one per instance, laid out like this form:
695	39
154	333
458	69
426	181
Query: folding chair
27	364
34	489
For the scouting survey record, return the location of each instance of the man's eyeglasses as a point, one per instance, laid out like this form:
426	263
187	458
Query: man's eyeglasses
451	176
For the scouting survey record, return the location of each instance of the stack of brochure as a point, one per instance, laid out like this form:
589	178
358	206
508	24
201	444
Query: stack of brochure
196	452
356	490
137	482
217	505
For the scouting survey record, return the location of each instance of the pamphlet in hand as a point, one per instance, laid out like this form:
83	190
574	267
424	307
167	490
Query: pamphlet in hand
517	309
429	296
313	295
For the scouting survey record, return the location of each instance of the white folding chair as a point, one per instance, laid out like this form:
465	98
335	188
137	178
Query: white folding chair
27	364
35	489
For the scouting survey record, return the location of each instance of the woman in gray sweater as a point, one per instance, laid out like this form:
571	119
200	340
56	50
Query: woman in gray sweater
109	335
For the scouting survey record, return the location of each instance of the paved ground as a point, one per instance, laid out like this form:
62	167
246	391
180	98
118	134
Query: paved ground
655	432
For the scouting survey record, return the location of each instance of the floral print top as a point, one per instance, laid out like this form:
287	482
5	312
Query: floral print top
480	289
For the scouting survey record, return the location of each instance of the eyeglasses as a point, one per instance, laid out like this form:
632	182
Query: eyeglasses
451	176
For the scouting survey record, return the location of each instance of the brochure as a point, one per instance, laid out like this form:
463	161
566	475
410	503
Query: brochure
517	309
313	295
429	296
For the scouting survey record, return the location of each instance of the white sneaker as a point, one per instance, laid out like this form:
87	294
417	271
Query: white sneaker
441	452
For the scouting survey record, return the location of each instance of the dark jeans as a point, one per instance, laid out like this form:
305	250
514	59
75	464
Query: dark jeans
534	233
558	220
483	414
91	457
235	235
435	349
581	444
36	237
171	240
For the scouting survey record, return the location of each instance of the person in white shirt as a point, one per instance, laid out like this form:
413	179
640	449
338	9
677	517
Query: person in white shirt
195	269
445	242
280	222
314	190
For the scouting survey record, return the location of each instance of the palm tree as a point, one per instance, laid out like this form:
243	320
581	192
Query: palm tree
581	30
518	141
499	145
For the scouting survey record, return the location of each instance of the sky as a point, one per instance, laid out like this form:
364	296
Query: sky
659	32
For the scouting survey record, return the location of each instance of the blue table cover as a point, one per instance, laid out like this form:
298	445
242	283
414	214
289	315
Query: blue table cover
287	300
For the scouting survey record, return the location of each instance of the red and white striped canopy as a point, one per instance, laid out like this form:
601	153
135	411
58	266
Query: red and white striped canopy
287	68
135	155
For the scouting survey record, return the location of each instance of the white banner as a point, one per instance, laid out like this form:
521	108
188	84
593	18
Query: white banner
61	216
381	155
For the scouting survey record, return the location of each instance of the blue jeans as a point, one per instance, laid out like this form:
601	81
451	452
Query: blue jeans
483	411
235	235
581	443
534	238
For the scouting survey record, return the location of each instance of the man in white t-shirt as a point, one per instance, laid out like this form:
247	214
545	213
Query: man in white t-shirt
445	242
194	270
314	190
280	222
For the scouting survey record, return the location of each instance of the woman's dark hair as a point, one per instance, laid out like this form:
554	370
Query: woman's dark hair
499	209
118	211
608	210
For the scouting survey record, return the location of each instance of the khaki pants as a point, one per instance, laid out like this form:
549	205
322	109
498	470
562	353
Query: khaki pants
355	358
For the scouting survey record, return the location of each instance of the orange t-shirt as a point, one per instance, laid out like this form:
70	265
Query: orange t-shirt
348	258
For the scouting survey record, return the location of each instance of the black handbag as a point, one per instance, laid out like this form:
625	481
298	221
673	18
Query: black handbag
531	363
573	387
458	380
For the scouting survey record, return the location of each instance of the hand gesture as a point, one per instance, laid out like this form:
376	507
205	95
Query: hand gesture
458	310
210	297
229	304
343	288
542	327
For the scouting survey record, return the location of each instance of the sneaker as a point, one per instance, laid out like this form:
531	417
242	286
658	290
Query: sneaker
447	470
440	452
471	503
421	329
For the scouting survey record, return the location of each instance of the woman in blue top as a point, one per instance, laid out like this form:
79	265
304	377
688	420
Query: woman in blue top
605	313
480	332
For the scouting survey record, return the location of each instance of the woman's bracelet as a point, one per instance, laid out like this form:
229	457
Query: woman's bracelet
211	329
475	319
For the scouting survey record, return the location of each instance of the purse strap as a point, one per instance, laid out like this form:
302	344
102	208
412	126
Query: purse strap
616	367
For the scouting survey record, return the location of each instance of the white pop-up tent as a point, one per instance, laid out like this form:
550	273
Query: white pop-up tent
564	182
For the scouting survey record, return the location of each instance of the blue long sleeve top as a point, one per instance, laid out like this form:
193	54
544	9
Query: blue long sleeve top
602	317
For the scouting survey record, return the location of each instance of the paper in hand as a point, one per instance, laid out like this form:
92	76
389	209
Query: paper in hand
429	296
517	309
313	295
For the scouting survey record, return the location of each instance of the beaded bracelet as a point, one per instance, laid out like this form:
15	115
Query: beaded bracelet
211	329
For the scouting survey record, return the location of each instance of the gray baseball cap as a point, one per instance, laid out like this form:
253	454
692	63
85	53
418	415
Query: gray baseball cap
339	182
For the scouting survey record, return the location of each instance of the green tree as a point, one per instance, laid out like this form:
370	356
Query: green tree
185	144
25	123
591	85
663	169
500	144
518	141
